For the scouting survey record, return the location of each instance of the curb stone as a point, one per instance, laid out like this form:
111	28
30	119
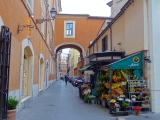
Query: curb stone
120	119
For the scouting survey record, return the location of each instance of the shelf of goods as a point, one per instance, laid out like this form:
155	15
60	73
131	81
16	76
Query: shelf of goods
139	93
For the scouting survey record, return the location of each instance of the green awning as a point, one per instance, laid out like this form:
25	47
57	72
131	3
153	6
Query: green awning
84	68
131	62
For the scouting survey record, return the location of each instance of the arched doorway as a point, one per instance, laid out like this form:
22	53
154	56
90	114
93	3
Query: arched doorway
27	74
46	74
41	74
26	70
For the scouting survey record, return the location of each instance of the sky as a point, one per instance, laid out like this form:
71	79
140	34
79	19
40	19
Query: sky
66	50
91	7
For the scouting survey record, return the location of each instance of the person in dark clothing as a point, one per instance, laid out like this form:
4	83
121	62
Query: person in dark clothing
66	78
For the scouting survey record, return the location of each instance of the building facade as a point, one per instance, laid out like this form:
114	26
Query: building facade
134	29
76	31
32	67
74	59
64	64
71	62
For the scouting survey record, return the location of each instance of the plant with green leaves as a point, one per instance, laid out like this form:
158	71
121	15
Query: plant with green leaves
104	77
125	104
12	103
86	97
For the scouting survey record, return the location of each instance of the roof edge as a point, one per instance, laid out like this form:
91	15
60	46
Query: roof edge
128	3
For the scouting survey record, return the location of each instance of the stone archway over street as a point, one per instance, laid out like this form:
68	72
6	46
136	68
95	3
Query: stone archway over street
71	45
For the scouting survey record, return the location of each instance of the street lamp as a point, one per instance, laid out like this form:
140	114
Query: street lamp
53	13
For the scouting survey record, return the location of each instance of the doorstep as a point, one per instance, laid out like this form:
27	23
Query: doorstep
25	98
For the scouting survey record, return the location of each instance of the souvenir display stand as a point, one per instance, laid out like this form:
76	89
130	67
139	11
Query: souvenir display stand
122	81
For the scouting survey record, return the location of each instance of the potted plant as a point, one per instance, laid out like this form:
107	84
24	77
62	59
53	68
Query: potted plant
86	98
140	98
133	97
112	101
125	105
12	104
103	100
87	95
147	97
117	106
128	100
137	109
92	99
120	99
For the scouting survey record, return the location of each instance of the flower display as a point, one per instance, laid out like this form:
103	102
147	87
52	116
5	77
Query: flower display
112	101
133	96
87	91
125	104
127	100
140	98
145	89
116	105
122	96
120	99
147	98
137	108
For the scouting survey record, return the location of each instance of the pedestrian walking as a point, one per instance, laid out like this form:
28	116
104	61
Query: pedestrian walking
66	78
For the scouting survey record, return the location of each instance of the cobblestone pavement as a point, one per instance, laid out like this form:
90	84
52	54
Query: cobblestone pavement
62	102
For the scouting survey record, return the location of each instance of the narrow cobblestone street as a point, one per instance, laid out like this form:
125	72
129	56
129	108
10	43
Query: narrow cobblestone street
61	102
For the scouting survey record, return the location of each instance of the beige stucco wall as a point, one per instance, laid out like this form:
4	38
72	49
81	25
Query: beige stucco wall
91	50
95	48
127	29
134	27
75	52
99	42
15	64
118	34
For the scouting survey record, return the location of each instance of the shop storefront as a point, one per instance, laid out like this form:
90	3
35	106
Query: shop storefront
122	87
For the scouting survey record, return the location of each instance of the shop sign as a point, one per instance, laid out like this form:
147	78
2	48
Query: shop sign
131	62
135	62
